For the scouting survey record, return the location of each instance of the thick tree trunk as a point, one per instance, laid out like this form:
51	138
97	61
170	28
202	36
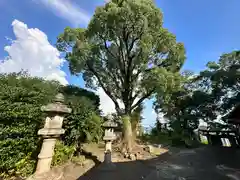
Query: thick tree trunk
127	134
134	130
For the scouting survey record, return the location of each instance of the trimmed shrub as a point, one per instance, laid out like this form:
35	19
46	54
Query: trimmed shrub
21	98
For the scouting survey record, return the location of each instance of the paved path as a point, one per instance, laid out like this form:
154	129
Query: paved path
200	164
134	170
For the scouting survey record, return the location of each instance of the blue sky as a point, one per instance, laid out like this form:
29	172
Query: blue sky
208	28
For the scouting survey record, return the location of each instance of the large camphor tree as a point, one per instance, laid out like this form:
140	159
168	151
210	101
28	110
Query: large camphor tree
125	51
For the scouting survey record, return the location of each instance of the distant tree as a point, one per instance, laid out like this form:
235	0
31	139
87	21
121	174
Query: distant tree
224	81
74	91
126	51
215	91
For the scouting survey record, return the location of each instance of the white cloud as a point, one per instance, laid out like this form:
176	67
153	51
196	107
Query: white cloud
77	16
32	52
106	104
67	10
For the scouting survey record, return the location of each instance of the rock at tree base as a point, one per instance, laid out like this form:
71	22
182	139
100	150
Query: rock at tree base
132	157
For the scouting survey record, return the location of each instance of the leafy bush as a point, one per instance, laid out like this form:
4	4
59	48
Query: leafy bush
83	124
21	97
62	153
73	91
20	118
22	168
177	137
157	138
25	166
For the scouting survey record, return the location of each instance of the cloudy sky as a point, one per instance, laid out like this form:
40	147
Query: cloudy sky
29	29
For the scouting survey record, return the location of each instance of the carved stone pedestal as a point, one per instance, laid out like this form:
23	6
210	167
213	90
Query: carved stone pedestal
51	132
109	136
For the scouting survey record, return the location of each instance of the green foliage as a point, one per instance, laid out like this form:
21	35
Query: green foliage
84	123
126	51
22	168
94	128
215	91
71	92
25	166
157	138
176	137
62	153
20	117
21	97
85	128
224	77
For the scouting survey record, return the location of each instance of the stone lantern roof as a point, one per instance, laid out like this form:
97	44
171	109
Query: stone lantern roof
110	124
57	106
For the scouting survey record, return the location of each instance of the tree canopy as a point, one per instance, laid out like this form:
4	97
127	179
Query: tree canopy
212	93
126	51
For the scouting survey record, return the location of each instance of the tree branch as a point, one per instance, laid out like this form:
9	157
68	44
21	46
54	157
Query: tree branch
121	54
104	88
127	94
142	99
117	58
112	75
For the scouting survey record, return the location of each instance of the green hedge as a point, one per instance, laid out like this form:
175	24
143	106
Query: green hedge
21	97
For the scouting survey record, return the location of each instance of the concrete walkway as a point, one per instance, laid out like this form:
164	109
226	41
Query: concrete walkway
132	170
204	163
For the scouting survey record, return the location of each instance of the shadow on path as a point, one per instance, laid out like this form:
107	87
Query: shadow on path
89	155
203	163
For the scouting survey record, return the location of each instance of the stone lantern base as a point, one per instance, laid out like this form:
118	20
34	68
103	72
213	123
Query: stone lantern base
107	164
50	136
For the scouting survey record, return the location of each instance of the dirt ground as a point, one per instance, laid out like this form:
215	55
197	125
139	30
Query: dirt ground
94	157
124	168
184	164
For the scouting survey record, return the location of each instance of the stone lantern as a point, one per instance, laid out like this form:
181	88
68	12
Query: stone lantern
51	131
109	137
